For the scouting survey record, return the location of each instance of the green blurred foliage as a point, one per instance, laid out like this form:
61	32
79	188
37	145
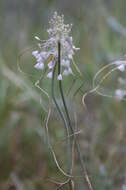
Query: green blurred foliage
25	160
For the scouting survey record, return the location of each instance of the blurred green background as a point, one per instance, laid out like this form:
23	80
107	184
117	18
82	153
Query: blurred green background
25	160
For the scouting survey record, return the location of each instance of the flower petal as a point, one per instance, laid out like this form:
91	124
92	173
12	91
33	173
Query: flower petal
59	77
49	75
121	67
39	65
35	53
65	63
67	71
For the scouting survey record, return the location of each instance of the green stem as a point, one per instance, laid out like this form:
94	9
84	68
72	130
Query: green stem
70	124
63	119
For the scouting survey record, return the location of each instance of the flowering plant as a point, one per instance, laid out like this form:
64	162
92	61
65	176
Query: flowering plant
48	50
58	50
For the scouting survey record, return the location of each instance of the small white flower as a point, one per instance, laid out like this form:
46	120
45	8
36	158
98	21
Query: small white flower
48	50
65	63
70	55
119	94
121	68
39	59
49	75
121	65
39	65
44	55
67	71
35	53
59	77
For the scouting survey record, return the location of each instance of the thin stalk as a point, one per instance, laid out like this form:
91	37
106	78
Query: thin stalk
70	123
63	119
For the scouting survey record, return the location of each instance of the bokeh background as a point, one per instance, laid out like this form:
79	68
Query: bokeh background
99	29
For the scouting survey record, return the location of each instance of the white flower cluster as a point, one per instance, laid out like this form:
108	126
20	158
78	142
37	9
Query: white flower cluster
48	50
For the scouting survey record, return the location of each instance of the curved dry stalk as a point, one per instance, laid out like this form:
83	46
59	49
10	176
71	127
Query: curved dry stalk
76	67
52	151
71	135
58	166
57	182
94	89
19	61
103	78
62	185
42	90
68	92
47	132
73	155
73	143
